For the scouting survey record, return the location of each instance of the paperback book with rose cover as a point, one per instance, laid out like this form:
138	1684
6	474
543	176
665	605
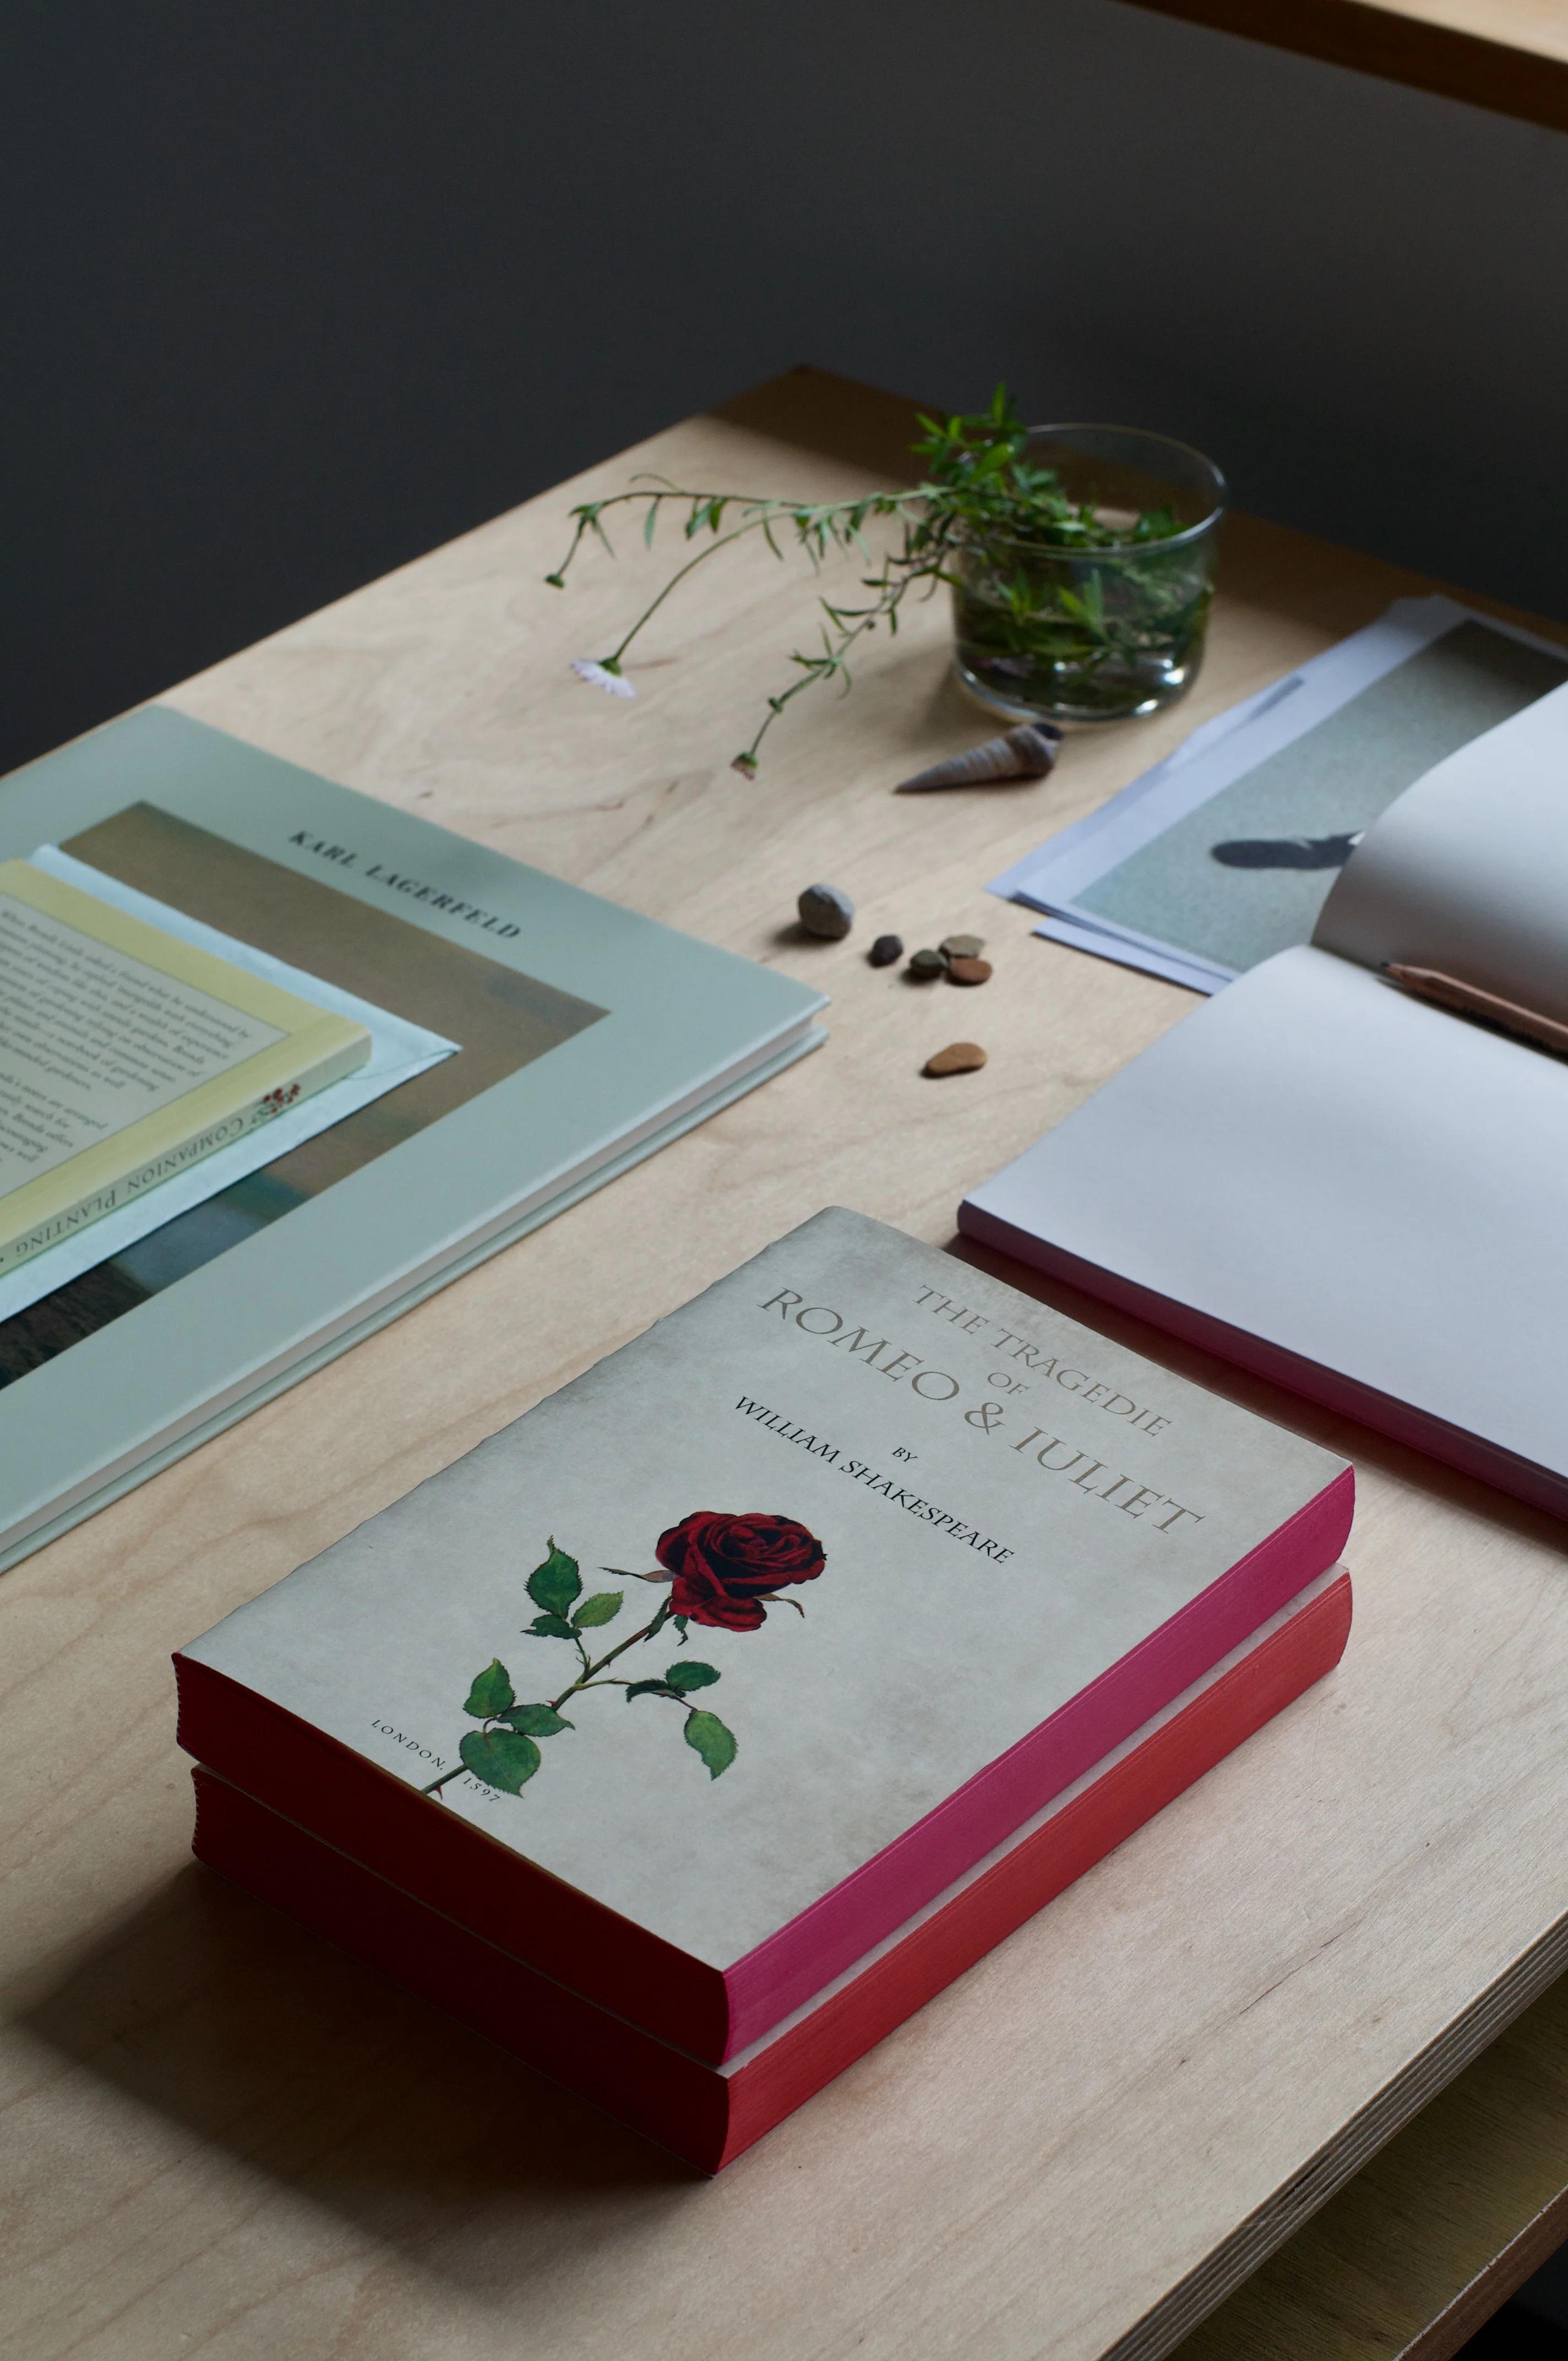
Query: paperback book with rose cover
704	1678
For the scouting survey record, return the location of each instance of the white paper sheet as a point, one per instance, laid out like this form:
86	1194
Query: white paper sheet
1320	1161
1149	958
398	1051
1224	753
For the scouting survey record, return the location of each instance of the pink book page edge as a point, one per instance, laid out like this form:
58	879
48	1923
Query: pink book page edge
803	1956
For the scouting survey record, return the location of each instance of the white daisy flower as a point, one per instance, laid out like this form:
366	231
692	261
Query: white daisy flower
615	682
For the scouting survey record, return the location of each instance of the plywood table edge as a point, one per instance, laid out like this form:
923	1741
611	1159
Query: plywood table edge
1432	2235
1298	2199
1486	2294
1473	61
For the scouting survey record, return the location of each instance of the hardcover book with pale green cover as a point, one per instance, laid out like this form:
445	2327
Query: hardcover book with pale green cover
696	1681
585	1037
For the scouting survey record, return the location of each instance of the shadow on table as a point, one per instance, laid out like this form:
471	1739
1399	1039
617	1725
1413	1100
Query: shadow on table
262	2040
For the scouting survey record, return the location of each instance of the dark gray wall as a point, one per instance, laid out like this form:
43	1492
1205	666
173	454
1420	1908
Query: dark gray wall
299	292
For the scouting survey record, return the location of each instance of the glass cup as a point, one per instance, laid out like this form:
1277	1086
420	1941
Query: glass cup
1046	634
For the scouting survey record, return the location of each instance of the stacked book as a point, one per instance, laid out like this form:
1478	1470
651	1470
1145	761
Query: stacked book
687	1801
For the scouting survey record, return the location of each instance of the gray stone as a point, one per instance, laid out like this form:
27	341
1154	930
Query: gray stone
926	966
826	910
885	950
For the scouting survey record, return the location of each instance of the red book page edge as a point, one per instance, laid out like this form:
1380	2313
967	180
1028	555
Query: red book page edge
706	2115
445	1862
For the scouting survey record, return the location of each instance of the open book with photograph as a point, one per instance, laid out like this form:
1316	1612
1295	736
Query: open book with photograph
1225	852
1350	1170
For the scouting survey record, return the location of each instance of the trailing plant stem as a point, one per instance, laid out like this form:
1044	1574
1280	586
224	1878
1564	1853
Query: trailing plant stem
980	493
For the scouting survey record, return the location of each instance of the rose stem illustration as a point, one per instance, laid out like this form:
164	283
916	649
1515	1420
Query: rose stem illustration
723	1570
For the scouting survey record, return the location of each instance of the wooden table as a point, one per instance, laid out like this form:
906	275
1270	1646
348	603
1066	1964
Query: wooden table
1510	56
221	2138
1416	2252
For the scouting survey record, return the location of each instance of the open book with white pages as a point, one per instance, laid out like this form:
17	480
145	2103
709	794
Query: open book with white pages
1355	1188
1225	852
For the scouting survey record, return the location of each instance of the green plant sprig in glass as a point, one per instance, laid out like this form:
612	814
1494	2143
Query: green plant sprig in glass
978	489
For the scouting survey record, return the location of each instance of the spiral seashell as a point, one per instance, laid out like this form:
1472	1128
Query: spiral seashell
1026	753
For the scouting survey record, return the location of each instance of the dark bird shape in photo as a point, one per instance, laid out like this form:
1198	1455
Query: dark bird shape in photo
1286	851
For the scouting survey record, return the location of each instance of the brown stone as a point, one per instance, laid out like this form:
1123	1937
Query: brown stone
970	971
957	1058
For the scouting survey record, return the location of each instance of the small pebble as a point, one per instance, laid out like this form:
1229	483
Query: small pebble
885	950
957	1058
926	965
970	971
826	910
963	946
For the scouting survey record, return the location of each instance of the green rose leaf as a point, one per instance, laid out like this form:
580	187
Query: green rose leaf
687	1672
648	1688
680	1623
536	1720
549	1627
602	1607
501	1758
554	1584
492	1691
711	1740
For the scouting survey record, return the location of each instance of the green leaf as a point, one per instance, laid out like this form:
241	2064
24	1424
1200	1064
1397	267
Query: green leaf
680	1624
556	1583
536	1720
501	1758
648	1688
492	1692
549	1627
688	1673
602	1607
708	1735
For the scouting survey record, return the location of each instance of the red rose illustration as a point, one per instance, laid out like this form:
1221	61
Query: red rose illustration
725	1566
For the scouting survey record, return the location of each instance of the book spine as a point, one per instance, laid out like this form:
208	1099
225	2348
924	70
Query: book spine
453	1866
199	1143
660	2091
